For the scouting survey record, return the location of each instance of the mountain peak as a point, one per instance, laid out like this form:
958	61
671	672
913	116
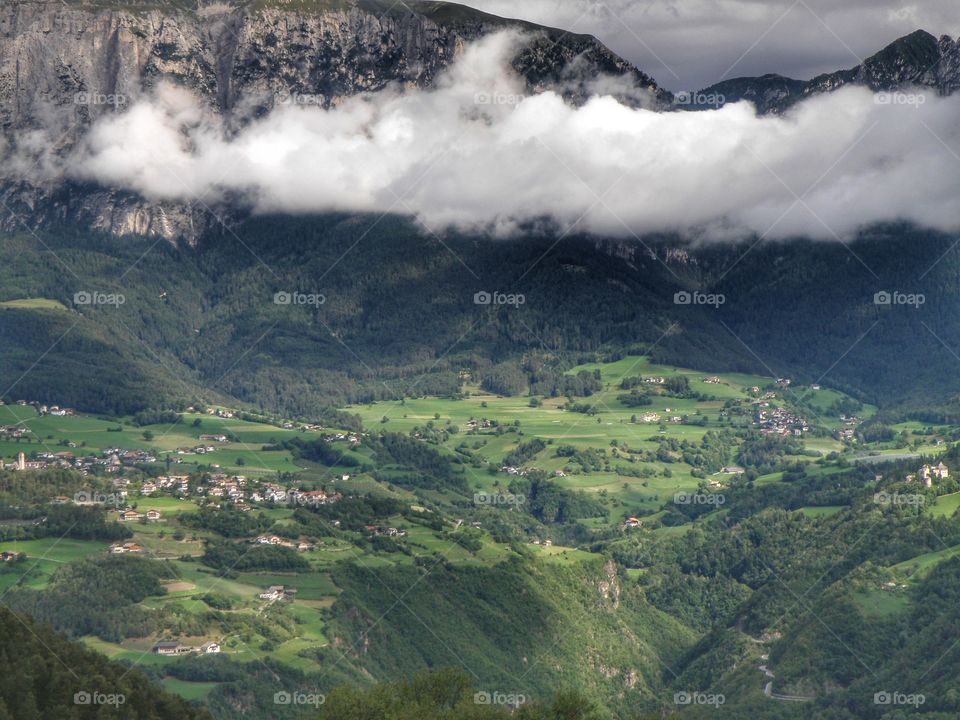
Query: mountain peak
917	59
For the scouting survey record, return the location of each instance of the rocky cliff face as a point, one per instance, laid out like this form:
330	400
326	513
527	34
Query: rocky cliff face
65	64
918	59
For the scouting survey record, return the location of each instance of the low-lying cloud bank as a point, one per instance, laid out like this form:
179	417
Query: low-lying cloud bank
472	152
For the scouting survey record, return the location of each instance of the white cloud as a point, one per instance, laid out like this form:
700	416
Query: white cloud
507	161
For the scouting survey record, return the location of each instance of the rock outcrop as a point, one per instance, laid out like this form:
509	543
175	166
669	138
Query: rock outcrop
63	65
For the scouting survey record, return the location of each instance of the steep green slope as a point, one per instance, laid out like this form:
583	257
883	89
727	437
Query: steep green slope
45	676
518	627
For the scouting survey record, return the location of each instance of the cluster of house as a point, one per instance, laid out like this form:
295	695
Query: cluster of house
13	432
779	421
849	429
277	540
175	647
481	424
929	473
113	460
351	438
712	380
238	489
10	556
655	380
194	449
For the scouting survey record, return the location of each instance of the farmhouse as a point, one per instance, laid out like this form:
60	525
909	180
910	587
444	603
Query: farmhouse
631	522
153	515
127	547
130	516
210	647
168	647
274	592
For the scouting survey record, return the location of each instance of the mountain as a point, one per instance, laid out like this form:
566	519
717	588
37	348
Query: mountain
65	65
918	59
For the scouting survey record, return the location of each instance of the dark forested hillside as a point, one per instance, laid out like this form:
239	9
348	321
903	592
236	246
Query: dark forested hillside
46	676
298	314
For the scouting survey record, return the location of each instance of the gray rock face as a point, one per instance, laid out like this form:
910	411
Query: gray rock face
63	65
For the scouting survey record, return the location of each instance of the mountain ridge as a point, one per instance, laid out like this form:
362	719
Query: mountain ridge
918	59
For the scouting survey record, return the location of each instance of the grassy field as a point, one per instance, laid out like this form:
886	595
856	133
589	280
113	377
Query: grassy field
44	557
188	690
33	304
610	430
917	567
946	505
881	603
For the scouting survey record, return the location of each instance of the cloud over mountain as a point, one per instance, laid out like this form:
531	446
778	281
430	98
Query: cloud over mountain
473	152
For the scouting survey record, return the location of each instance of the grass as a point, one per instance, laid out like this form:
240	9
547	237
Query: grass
881	603
34	304
946	505
822	511
188	690
44	558
917	567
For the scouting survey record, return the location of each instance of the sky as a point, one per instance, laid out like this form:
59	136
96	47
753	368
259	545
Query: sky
473	152
691	44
